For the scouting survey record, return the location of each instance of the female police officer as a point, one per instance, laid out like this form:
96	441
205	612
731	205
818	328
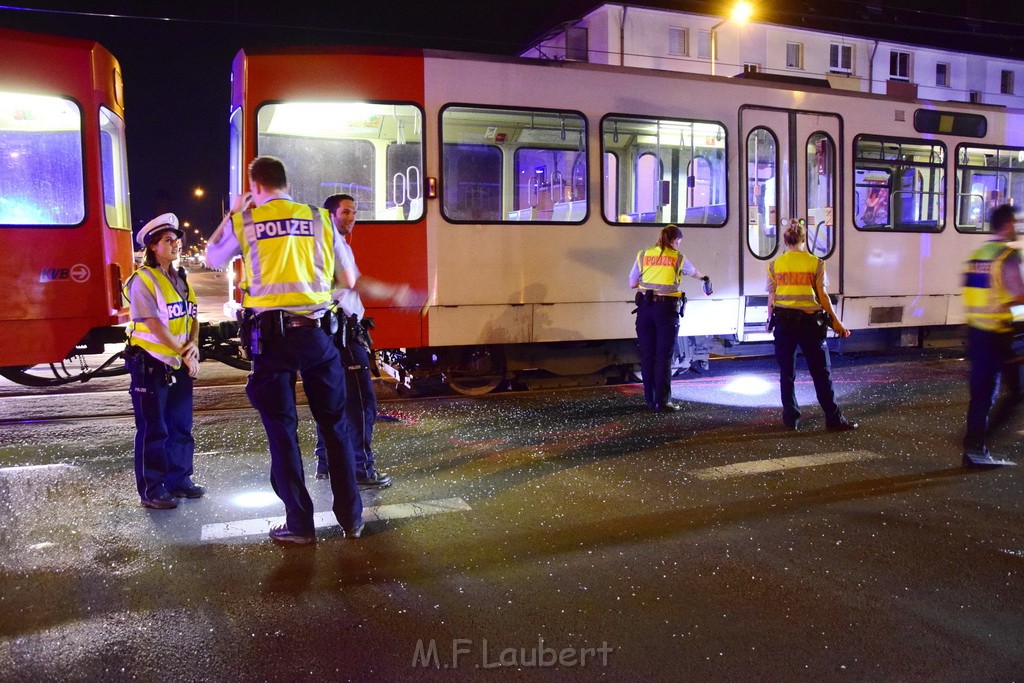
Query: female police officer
657	272
162	357
797	300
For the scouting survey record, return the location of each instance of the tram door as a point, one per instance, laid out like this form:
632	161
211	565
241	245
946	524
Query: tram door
789	169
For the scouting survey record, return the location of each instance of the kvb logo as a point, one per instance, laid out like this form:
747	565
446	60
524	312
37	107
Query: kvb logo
76	273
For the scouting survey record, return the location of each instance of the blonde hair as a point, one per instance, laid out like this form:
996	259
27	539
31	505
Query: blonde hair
795	233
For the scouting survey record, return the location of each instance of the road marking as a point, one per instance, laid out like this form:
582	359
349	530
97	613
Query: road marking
261	525
32	468
741	469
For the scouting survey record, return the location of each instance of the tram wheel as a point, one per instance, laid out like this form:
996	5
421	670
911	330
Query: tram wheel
477	371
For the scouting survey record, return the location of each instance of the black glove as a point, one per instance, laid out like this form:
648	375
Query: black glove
708	289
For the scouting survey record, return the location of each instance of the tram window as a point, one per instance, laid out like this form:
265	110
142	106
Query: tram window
899	184
41	173
762	193
985	178
471	187
821	194
114	167
236	168
664	171
544	177
372	151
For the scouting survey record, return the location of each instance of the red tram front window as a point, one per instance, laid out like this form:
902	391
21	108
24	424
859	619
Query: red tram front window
41	173
372	151
114	167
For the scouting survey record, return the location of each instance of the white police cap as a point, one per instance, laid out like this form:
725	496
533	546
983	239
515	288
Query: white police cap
166	221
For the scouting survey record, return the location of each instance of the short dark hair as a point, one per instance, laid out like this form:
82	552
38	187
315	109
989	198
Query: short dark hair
1002	215
334	201
268	172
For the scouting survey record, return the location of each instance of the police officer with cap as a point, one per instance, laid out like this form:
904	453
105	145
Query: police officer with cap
162	356
992	284
292	261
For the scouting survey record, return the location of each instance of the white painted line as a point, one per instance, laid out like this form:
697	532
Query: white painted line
33	468
741	469
207	453
262	525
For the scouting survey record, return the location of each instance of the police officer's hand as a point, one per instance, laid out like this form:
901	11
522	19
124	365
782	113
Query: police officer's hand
401	295
840	329
190	351
241	202
192	365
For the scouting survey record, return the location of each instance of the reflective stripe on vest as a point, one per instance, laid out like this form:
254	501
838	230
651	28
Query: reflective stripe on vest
794	274
986	301
176	313
288	256
659	270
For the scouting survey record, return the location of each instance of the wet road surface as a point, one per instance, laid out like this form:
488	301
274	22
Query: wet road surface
557	535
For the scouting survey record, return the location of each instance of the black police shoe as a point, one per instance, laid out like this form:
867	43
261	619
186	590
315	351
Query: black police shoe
355	531
670	407
374	480
793	426
282	534
983	459
843	425
190	491
323	475
164	502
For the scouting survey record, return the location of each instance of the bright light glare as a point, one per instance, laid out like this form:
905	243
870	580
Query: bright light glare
255	499
741	12
748	385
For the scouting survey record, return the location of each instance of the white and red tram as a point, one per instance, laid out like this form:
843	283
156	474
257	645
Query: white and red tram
517	192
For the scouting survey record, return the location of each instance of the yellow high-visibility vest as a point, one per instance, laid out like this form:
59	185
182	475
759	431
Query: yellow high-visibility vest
177	313
986	300
794	274
287	256
660	270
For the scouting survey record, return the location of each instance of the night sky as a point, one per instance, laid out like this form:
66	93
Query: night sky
176	57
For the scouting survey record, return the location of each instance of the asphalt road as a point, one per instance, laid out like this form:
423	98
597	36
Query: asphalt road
558	535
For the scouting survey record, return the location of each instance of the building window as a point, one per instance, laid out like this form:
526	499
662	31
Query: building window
795	55
1006	83
840	58
899	66
942	75
576	43
679	42
704	44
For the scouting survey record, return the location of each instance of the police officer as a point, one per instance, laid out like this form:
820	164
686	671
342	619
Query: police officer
656	273
992	284
800	311
291	262
361	399
162	356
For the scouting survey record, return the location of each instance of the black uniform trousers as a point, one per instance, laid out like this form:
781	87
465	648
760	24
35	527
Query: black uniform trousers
307	352
989	353
657	328
795	329
360	409
164	446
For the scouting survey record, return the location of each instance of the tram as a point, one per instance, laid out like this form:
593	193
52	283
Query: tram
65	228
517	192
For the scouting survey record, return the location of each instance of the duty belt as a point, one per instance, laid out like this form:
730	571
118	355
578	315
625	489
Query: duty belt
300	321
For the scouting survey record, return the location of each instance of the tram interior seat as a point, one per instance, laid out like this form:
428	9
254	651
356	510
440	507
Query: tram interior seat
527	214
649	217
716	214
695	214
564	212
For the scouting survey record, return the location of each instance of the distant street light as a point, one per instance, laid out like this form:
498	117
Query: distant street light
199	192
740	14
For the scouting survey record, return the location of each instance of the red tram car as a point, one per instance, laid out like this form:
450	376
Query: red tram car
516	192
65	227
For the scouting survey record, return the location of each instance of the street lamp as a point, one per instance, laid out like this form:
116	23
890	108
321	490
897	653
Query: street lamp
199	192
740	14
